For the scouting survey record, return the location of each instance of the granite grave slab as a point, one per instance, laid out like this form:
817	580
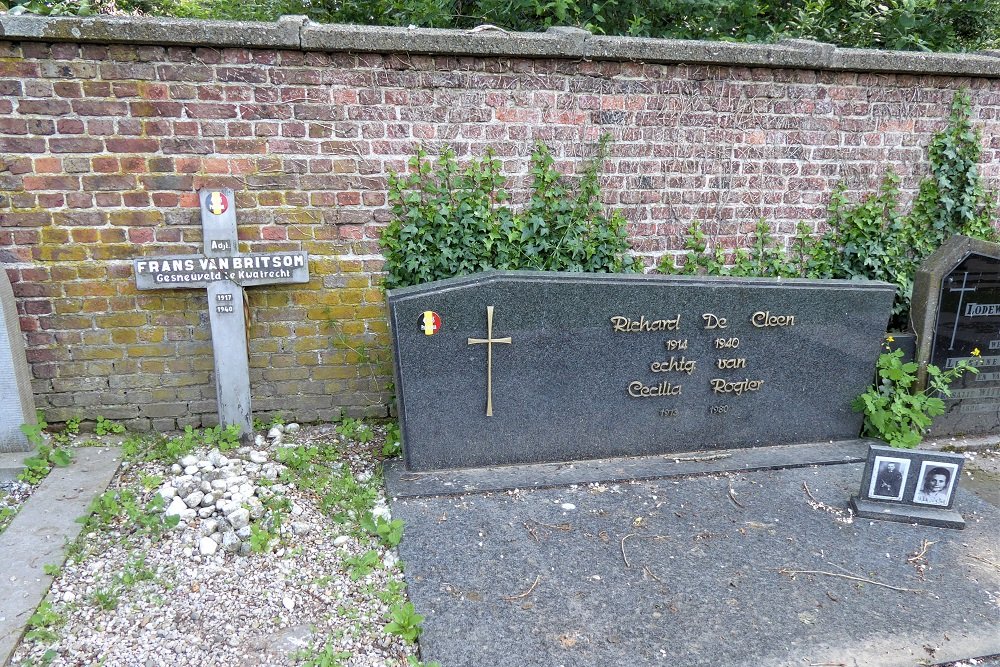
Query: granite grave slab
956	312
224	272
526	367
762	568
18	404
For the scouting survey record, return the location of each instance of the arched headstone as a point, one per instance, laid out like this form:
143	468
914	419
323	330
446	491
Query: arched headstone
17	405
956	314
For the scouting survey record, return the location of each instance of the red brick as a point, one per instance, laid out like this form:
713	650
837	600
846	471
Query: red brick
132	145
76	145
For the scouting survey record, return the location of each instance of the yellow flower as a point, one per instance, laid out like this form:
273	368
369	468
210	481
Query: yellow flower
976	352
890	339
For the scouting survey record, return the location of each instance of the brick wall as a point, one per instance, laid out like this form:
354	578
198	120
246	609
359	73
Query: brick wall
103	146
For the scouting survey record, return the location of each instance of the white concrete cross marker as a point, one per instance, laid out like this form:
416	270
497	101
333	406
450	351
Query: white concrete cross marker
224	272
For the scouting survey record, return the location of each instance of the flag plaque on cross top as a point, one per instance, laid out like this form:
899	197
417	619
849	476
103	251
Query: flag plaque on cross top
224	272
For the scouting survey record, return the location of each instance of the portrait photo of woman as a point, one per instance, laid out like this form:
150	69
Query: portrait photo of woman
935	483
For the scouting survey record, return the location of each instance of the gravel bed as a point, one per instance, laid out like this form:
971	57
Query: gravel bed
126	598
13	494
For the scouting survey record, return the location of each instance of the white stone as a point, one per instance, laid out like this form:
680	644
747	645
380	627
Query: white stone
230	542
341	540
296	509
258	457
300	527
292	427
191	470
274	433
210	526
389	560
175	469
205	512
381	512
239	519
209	499
244	533
205	486
287	602
259	441
194	499
167	492
207	546
568	506
177	507
220	485
256	508
68	596
189	460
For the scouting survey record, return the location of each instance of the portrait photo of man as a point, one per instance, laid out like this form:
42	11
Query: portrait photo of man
889	478
935	484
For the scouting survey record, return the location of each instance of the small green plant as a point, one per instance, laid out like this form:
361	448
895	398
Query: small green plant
38	466
355	429
7	515
150	482
52	569
327	656
390	532
405	622
894	411
267	530
43	623
393	445
359	567
135	571
112	507
225	438
108	427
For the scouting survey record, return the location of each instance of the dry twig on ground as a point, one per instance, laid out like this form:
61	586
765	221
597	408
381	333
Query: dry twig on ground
511	598
791	573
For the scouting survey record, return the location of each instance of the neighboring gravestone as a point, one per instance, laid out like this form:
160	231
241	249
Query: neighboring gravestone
17	405
224	272
956	313
525	367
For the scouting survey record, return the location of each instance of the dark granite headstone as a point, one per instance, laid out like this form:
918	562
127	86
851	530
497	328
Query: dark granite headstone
17	404
956	312
526	367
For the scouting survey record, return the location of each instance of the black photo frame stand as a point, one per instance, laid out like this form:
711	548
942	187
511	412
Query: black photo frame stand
910	486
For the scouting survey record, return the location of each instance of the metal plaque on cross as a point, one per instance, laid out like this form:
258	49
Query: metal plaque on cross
224	272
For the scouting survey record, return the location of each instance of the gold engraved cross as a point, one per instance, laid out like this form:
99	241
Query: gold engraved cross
489	340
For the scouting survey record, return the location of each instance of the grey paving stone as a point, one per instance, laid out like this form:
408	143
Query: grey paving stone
39	535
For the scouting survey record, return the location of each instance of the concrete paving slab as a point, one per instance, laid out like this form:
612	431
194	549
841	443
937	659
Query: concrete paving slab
763	568
12	463
40	533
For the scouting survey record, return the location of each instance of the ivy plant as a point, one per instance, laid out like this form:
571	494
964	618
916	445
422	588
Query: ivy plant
449	221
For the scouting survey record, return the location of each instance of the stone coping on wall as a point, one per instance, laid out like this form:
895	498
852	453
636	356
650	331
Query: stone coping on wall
299	33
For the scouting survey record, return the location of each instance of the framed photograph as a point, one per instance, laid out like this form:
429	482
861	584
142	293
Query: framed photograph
888	478
935	483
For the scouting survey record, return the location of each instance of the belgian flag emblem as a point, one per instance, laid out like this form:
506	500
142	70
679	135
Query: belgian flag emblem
218	203
430	322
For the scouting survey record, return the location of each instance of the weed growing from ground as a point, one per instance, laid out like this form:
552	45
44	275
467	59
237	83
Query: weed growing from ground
405	622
